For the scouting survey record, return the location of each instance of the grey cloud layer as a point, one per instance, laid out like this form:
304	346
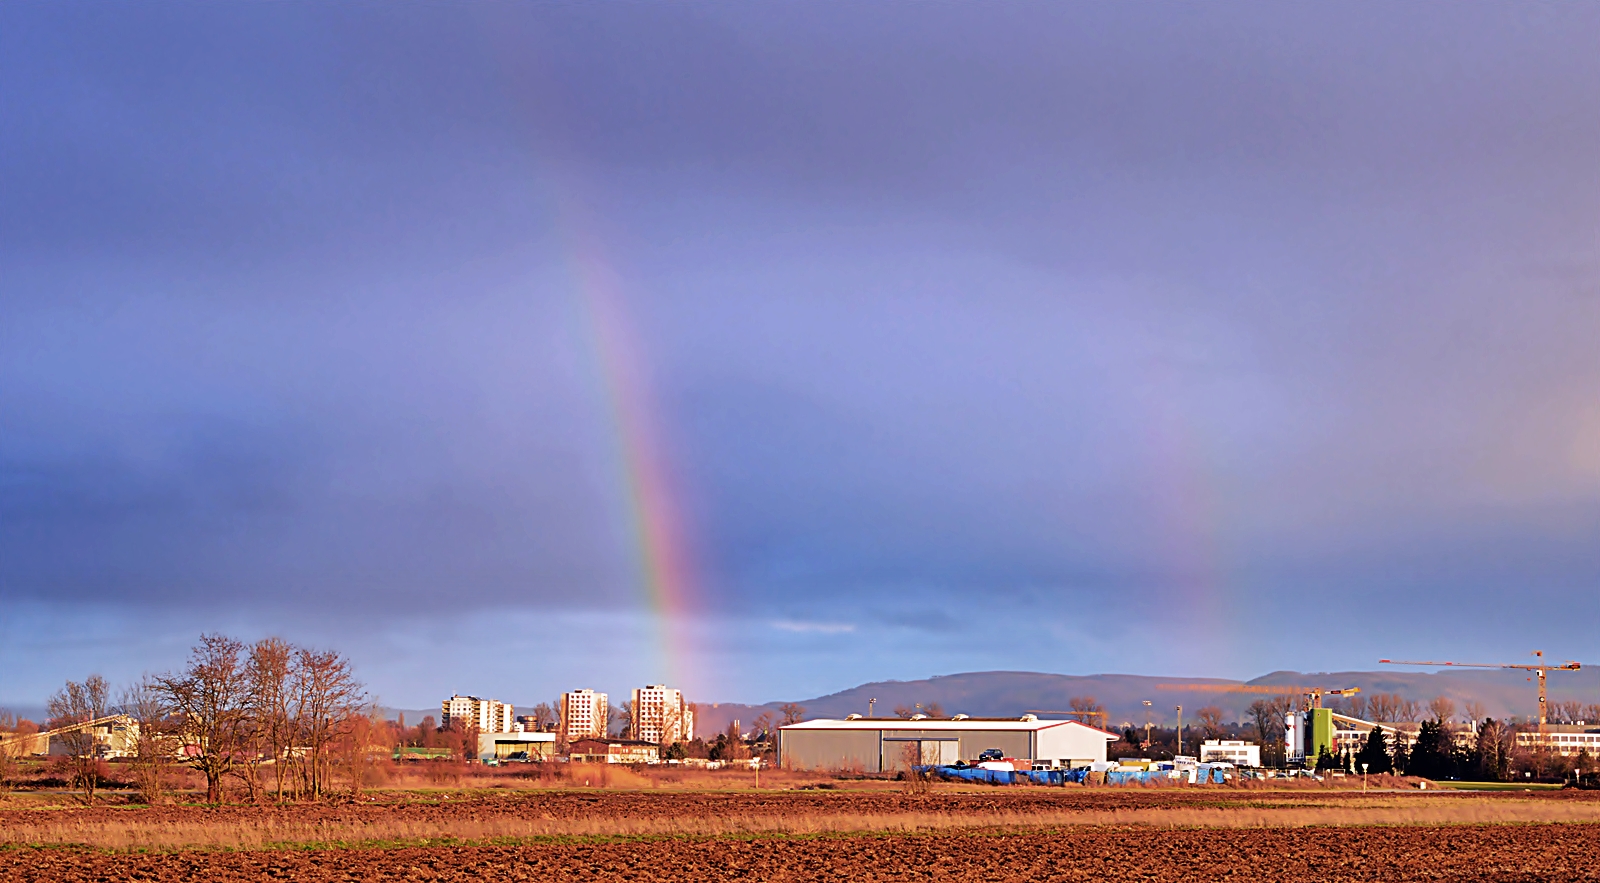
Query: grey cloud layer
1042	301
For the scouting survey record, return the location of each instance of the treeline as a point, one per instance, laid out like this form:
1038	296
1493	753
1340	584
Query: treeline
231	711
1490	754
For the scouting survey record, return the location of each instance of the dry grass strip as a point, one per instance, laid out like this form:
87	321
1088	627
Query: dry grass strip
131	831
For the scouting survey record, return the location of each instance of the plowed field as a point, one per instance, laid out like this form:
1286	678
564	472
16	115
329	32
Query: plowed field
958	835
1499	853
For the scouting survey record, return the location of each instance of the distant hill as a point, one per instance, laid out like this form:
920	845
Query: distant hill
1009	693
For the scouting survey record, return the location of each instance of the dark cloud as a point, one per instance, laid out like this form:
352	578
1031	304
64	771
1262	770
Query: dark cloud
1168	310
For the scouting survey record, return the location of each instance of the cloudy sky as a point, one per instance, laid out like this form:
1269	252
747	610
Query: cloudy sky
770	348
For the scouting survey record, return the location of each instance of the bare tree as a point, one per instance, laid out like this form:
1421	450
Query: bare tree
1591	713
671	724
1086	704
1356	706
1567	712
1268	715
793	713
329	697
153	745
1442	708
8	727
72	710
1386	707
1211	722
544	717
762	726
627	720
272	671
734	747
365	734
1476	711
1409	711
619	720
911	758
211	700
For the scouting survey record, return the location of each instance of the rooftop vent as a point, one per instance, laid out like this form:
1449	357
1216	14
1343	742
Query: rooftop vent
1030	717
919	717
959	717
852	717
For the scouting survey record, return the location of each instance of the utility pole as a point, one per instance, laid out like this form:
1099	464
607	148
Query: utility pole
1147	725
1180	732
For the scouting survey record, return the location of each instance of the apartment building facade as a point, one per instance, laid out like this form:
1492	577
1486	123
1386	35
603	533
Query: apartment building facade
661	716
488	715
584	714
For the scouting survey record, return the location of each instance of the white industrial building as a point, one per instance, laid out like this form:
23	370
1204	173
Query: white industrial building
876	745
1564	739
1235	752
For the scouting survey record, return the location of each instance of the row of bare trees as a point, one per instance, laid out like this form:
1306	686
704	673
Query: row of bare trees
232	710
236	707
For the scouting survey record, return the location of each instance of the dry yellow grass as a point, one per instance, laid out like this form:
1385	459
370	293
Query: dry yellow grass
132	830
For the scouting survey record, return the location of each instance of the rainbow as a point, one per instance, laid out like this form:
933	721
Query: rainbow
654	523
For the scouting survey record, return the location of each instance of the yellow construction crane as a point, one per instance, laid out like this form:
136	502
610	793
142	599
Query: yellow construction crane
1541	667
1316	693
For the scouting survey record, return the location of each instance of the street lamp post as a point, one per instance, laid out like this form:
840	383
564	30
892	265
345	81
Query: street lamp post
1180	731
1147	724
1363	778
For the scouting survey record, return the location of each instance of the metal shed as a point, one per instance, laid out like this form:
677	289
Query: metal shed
876	745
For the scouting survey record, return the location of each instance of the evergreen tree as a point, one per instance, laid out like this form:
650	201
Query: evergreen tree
1374	753
1402	757
1433	754
1326	760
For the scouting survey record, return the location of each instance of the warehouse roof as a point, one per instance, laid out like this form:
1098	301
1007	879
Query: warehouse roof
1026	724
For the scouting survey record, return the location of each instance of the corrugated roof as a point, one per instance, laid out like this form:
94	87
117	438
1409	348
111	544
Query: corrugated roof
988	724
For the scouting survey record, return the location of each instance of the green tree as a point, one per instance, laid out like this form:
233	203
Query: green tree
1433	753
1402	757
1374	753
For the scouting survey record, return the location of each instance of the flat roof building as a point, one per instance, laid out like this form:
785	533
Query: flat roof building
1563	739
660	715
487	715
614	751
584	713
1238	753
878	745
523	745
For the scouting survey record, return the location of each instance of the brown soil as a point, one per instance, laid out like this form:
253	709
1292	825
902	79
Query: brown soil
1499	853
979	803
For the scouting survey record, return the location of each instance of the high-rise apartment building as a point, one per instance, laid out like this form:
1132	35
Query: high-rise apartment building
661	716
487	715
583	714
